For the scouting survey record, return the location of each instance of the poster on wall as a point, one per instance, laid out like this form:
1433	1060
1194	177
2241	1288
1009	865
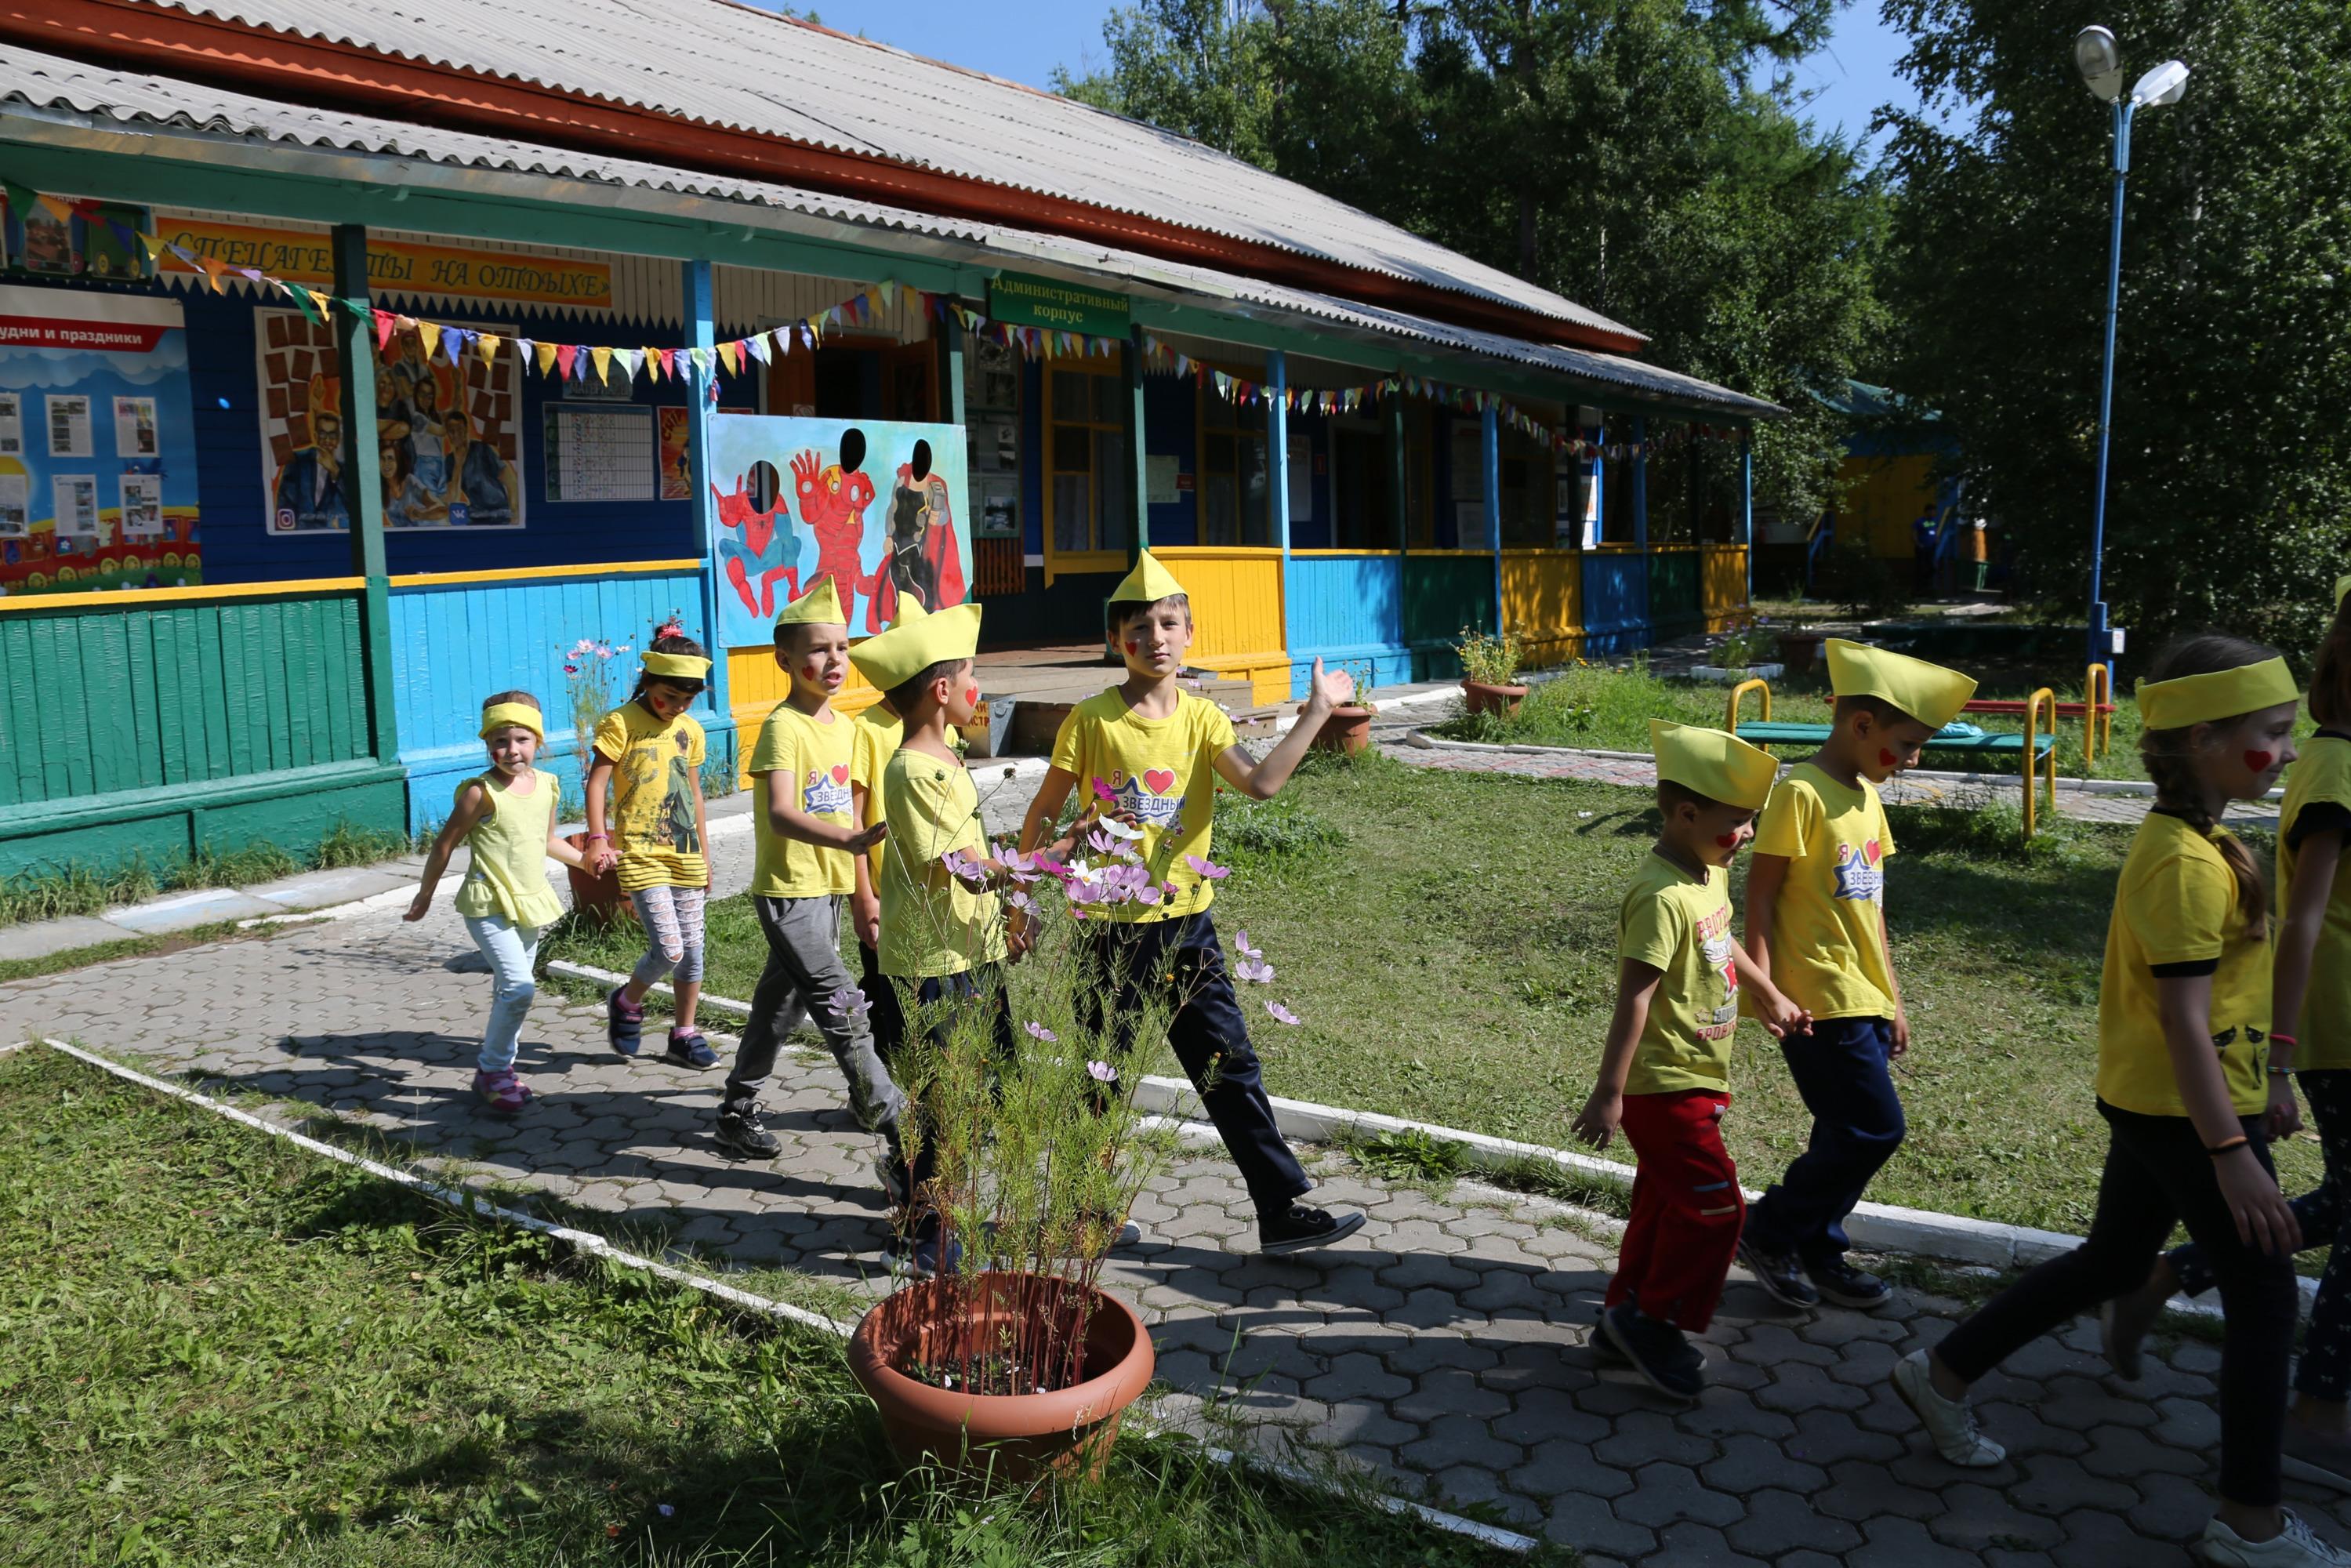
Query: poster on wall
881	506
98	448
447	435
676	471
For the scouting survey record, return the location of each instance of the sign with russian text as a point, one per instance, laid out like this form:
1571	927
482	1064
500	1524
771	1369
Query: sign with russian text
1019	299
396	264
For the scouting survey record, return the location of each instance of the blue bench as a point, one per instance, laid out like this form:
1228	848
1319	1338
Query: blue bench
1965	738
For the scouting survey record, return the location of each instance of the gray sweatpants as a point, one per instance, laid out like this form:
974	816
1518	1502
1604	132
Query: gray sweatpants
806	979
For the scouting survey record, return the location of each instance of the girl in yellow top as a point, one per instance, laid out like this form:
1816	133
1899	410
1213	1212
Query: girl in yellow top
2183	1016
506	819
645	816
2312	977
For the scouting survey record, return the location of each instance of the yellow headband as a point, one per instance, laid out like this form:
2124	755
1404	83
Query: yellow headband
675	666
1717	764
513	716
2223	693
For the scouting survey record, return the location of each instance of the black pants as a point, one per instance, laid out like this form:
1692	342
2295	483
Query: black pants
1840	1066
1184	963
936	999
2325	1370
2157	1175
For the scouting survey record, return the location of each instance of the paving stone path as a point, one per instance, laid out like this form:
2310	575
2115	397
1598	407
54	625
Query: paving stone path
1445	1348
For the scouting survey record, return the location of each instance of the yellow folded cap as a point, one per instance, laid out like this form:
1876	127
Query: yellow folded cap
1716	764
674	667
1148	583
2223	693
1928	693
910	610
2342	587
513	716
819	606
910	647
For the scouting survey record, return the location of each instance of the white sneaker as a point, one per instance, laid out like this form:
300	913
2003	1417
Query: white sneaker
2292	1547
1949	1421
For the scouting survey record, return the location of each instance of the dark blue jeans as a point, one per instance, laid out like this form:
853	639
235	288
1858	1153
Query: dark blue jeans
1184	960
1840	1069
2324	1372
937	998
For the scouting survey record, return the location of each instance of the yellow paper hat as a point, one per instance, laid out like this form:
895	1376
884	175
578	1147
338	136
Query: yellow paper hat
1928	693
1148	583
819	606
910	647
1720	765
2224	694
910	610
506	716
2342	587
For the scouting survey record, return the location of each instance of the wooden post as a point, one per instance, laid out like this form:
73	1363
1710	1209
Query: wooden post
362	481
1747	509
1490	434
1138	463
953	354
1277	479
701	381
1399	503
1641	484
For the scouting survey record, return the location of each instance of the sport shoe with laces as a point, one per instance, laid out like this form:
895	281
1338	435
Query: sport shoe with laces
2293	1546
1666	1361
740	1134
1841	1283
1950	1423
1300	1228
1782	1277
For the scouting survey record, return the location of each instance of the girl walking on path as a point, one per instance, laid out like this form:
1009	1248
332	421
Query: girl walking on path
2313	984
506	817
2183	1025
645	816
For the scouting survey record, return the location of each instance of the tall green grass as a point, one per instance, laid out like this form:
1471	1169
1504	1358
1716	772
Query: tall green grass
80	890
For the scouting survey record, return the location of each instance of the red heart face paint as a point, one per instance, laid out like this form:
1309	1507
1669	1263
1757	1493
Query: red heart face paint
812	670
1133	647
1729	840
971	697
2258	761
1885	758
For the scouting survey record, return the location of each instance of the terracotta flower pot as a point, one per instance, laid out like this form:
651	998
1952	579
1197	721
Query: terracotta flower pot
1798	650
1016	1436
1485	697
596	897
1347	730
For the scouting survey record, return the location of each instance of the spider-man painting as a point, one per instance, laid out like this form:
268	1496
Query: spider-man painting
755	550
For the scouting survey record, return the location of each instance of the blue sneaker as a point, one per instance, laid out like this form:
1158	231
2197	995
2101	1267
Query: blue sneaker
624	1021
928	1252
688	1049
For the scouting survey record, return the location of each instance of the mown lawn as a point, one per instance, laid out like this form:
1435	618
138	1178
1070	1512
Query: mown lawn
1452	959
222	1350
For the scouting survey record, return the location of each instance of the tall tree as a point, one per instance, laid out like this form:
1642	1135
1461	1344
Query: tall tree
2230	498
1642	157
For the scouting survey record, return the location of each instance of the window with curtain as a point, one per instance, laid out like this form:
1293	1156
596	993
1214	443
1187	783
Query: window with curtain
1086	482
1236	487
1528	498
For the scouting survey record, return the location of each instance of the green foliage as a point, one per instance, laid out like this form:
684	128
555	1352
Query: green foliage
1645	158
1258	834
1411	1154
1490	658
80	890
2232	458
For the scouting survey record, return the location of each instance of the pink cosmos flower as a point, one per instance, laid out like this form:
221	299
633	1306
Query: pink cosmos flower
1102	792
1039	1031
1102	1071
1253	969
1280	1014
1201	866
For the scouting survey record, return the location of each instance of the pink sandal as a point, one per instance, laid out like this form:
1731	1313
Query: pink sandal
506	1093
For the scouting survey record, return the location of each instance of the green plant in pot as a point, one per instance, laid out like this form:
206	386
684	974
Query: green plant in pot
1348	728
1489	670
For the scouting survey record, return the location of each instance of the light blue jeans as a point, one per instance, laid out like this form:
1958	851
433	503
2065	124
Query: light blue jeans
513	953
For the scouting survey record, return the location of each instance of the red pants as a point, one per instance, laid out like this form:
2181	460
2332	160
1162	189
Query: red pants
1686	1208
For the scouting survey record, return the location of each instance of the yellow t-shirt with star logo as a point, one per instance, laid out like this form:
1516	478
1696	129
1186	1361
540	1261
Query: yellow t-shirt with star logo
814	754
873	739
933	925
1679	924
649	802
1161	772
2318	798
1828	929
2175	913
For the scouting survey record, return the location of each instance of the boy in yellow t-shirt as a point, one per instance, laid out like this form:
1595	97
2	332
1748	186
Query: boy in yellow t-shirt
1150	754
806	838
873	738
1664	1073
1816	927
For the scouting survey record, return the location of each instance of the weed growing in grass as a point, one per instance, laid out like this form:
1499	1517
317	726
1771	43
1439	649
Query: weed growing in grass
1410	1154
1254	834
78	890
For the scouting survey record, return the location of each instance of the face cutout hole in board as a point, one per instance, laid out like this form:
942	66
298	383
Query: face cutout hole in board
767	485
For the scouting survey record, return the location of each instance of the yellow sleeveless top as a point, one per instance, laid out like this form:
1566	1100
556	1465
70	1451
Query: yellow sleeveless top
508	873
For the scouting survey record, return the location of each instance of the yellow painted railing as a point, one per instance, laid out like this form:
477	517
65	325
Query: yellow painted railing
203	593
1236	614
2097	714
1738	695
1543	601
2032	705
531	573
1723	585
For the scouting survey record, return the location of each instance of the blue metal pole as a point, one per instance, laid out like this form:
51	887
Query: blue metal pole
1491	459
2101	643
702	333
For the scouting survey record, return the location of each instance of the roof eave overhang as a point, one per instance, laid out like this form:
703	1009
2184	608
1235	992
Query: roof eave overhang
130	34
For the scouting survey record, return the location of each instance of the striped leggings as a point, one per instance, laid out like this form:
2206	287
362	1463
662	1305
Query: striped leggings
672	917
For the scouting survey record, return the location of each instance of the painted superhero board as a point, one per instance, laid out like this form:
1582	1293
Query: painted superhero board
881	506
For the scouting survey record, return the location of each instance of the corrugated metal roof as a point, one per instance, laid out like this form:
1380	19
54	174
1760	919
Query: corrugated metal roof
96	96
719	63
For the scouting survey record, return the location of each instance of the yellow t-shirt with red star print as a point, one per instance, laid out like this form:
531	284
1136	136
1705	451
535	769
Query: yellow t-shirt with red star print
1828	929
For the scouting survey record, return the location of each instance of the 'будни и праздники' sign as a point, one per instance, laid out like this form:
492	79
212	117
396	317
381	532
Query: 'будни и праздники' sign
1019	299
396	265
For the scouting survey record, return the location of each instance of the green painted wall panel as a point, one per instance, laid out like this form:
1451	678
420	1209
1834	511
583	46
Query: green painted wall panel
16	752
140	698
1443	594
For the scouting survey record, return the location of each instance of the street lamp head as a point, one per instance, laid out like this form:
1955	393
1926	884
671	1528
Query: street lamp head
2165	84
2100	60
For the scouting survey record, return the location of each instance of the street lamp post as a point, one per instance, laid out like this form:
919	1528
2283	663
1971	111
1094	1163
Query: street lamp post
2099	59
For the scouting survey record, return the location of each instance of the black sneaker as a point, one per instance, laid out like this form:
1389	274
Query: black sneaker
1665	1361
740	1134
1839	1282
1301	1228
927	1253
1780	1274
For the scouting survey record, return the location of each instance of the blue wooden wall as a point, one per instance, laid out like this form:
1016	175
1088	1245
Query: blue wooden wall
452	646
1347	608
1615	602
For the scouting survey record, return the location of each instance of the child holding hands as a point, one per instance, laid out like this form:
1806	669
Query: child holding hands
1664	1073
506	819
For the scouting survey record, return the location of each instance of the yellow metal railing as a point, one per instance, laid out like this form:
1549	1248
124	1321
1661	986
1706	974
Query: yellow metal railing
2032	744
1737	693
2098	720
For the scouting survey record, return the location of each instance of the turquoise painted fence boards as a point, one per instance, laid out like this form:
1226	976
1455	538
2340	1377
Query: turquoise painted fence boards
1443	594
1615	604
454	645
1347	610
1675	610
